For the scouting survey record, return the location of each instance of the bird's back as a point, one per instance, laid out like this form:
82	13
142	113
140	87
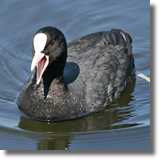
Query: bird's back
106	67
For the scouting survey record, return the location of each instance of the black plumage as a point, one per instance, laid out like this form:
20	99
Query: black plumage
99	68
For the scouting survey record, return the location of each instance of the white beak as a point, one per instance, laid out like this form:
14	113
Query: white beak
41	61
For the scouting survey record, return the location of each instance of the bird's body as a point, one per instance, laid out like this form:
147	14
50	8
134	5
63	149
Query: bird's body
99	68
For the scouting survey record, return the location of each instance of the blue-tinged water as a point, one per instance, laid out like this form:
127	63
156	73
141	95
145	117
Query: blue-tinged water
124	124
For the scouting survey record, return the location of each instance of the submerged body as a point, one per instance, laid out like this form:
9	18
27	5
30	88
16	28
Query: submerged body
99	68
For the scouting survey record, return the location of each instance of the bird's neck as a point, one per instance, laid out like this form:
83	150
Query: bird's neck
49	86
52	78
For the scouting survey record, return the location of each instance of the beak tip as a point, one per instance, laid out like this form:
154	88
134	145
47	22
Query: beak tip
31	68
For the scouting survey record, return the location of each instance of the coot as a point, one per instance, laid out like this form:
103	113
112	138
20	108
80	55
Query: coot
99	68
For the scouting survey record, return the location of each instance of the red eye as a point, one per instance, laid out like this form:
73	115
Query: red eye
51	43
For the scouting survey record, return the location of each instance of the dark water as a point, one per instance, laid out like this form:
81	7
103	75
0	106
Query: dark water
125	124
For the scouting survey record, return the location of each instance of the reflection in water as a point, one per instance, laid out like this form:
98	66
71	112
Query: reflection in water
53	143
112	117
